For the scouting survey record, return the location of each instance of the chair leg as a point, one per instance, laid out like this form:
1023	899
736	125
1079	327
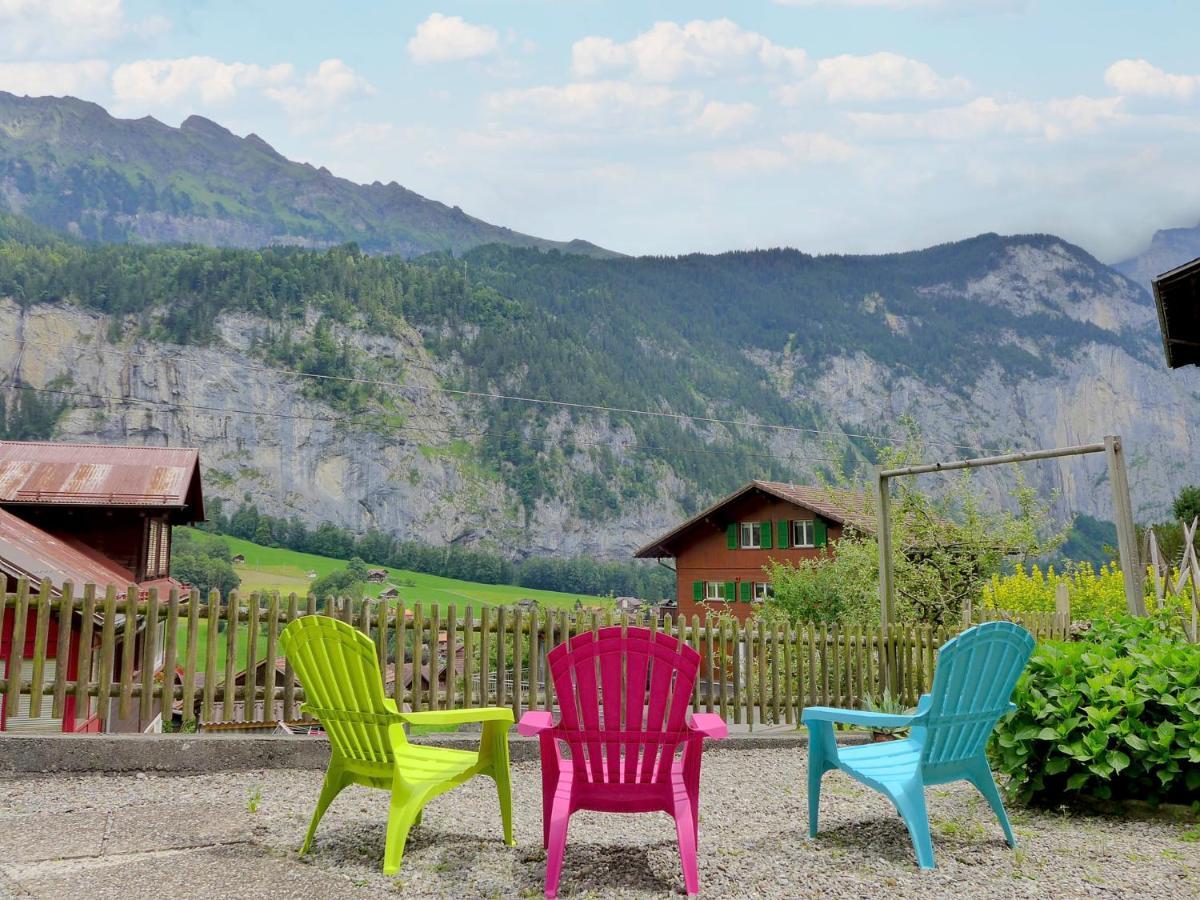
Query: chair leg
981	777
504	792
685	830
556	846
335	782
911	805
816	770
494	755
404	813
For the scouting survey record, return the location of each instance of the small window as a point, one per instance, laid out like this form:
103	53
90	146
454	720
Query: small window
164	548
751	535
714	590
763	590
803	533
152	548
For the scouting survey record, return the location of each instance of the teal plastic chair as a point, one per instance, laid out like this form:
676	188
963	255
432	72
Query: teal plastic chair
975	676
338	668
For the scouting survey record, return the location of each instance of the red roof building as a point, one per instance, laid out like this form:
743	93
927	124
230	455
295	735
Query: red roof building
721	554
88	514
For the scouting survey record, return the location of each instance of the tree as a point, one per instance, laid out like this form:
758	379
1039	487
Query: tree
945	549
1187	504
202	561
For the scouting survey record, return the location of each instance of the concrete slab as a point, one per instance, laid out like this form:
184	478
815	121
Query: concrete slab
226	872
32	837
169	826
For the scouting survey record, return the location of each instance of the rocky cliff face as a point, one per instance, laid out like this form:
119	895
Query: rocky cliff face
416	476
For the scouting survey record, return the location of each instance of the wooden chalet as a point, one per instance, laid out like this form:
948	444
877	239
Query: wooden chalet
88	514
1177	298
721	554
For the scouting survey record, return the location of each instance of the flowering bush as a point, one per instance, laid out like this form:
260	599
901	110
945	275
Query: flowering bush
1095	594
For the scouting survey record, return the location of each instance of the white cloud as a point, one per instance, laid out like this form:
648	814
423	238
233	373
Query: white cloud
595	103
1139	78
157	84
66	27
332	83
450	38
872	78
38	79
797	148
986	116
669	51
717	117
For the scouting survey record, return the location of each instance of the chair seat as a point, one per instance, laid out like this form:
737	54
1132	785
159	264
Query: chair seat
622	796
881	763
418	763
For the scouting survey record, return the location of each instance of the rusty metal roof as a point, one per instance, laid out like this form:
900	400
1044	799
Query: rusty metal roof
844	507
36	472
28	552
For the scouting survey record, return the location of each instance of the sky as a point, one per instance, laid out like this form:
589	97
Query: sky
660	127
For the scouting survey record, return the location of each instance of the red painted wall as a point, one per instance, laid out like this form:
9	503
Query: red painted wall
707	557
74	720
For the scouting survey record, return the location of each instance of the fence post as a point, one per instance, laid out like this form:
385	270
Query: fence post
1126	534
1062	606
967	613
883	524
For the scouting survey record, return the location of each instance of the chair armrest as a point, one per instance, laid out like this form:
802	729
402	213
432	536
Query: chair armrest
459	716
709	725
855	717
535	722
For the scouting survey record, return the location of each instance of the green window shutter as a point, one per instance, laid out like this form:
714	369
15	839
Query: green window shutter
747	591
820	535
764	535
731	536
729	591
785	539
697	590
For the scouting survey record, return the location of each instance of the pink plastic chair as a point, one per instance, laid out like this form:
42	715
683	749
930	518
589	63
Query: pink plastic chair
631	745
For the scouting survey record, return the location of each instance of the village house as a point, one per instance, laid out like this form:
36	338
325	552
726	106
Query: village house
377	576
88	514
389	593
721	553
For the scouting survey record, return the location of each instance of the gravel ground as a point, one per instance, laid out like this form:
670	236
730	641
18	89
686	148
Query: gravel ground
753	841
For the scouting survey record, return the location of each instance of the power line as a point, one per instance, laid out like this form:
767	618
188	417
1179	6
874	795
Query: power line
515	398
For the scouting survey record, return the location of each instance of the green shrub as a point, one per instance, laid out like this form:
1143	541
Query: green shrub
1114	716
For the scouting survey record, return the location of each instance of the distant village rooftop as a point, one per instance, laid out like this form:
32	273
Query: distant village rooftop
1177	297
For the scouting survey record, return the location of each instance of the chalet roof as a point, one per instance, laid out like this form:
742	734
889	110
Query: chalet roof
40	473
27	551
847	508
1177	297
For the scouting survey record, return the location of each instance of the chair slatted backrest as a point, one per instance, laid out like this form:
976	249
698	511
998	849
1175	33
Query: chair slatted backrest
975	677
624	695
339	670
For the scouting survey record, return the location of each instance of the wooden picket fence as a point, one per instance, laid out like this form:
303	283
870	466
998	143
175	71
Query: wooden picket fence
751	672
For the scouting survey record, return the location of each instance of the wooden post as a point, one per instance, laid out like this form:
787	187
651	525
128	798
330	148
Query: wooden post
1062	606
968	613
887	605
1135	602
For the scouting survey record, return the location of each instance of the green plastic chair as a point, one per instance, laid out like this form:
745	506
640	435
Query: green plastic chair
975	676
339	670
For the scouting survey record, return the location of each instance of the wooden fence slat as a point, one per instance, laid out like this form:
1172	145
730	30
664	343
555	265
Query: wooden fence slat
128	651
233	615
210	656
83	662
166	691
269	670
418	629
501	655
469	694
16	647
531	694
485	656
435	663
761	638
516	663
737	674
548	644
289	675
108	646
41	637
62	656
451	654
381	632
149	656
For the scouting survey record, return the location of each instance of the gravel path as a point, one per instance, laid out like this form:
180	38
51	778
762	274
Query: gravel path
146	831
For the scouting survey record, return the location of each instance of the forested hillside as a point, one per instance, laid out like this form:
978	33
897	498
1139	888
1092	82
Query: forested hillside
69	165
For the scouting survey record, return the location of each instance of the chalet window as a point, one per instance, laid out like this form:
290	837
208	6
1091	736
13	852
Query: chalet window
158	548
714	590
763	590
164	549
803	533
751	534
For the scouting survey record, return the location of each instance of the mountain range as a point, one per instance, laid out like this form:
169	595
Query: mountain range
497	394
